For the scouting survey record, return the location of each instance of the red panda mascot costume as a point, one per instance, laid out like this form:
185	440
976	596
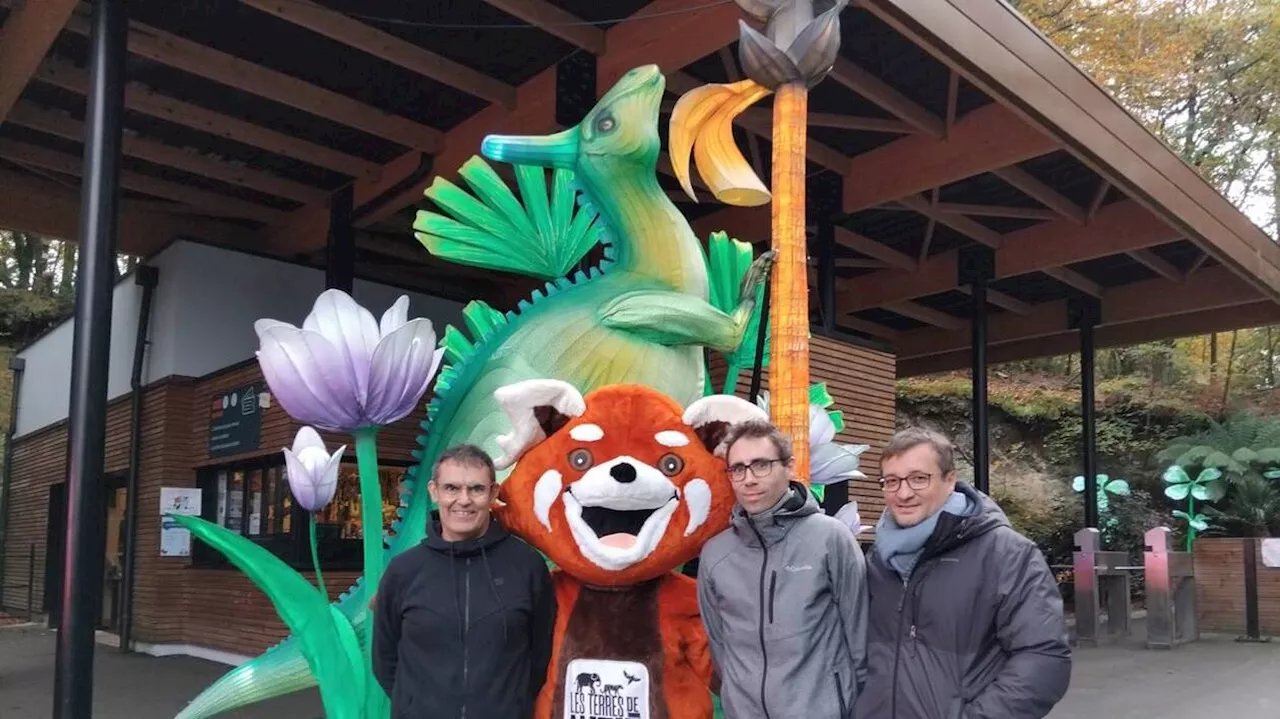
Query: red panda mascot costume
619	489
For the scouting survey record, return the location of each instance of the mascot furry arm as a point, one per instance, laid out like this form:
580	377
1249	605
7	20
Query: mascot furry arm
619	489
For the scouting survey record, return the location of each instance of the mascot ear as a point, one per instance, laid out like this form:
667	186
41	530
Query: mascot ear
536	409
711	418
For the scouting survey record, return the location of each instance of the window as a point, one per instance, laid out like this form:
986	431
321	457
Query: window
253	499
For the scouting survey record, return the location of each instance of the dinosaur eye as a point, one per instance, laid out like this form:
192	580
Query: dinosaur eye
605	123
580	459
670	464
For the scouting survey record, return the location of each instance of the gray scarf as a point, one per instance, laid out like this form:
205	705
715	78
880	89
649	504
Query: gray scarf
900	547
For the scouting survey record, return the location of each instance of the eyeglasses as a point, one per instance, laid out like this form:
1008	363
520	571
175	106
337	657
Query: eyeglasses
475	491
916	481
759	467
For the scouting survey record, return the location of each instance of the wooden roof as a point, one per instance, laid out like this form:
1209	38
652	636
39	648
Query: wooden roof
945	125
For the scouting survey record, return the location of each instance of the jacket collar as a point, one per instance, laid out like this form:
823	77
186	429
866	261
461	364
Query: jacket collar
495	534
773	523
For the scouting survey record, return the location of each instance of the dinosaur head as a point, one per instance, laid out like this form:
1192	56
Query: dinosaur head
621	129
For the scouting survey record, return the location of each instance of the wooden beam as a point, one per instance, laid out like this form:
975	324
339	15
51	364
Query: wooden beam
881	93
1225	319
875	329
341	28
1119	227
138	98
984	139
1002	300
1215	287
555	21
759	116
169	49
1022	213
207	202
54	123
927	315
965	226
1074	279
25	38
1035	189
871	248
685	35
1157	264
34	204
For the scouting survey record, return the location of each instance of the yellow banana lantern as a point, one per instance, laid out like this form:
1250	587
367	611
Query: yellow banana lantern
702	122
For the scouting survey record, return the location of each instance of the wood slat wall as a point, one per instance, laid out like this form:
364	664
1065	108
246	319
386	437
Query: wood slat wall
862	383
175	602
1220	597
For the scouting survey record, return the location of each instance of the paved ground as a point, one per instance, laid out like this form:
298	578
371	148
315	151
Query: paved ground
1215	677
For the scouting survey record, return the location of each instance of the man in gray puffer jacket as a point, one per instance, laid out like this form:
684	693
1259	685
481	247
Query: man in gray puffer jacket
966	619
782	592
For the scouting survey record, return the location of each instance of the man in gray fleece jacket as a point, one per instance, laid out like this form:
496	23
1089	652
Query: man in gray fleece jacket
782	592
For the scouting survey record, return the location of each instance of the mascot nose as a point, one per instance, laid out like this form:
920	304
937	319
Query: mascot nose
623	472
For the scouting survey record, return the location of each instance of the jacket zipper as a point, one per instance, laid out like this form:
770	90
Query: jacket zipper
773	585
466	631
897	651
764	654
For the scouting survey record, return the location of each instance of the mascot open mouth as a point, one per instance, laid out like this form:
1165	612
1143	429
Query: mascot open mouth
616	537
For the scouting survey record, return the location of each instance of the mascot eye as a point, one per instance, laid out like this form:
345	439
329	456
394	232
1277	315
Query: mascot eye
671	464
580	459
605	123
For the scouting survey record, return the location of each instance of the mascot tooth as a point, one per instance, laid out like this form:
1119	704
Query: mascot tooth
618	489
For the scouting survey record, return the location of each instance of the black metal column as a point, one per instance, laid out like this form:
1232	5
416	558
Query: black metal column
976	269
1085	314
827	274
340	253
91	344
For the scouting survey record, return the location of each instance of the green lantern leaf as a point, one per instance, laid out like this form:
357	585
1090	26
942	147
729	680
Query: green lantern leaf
327	645
728	261
495	230
1118	487
1210	491
1175	474
1208	474
1272	473
1177	492
1077	484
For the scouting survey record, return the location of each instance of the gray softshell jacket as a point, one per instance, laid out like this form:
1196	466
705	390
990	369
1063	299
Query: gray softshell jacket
976	632
783	598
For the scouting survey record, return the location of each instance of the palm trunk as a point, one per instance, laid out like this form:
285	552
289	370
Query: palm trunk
789	314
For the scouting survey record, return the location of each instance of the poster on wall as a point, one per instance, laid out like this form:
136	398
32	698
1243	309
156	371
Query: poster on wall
174	540
235	419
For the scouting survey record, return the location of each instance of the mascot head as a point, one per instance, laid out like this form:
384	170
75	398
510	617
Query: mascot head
620	486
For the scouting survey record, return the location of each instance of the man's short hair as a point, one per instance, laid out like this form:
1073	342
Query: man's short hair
468	455
759	429
907	439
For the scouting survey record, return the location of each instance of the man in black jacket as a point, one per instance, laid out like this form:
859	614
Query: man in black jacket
965	616
463	621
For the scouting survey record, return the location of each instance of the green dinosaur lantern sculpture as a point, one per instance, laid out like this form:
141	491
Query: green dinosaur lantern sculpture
643	316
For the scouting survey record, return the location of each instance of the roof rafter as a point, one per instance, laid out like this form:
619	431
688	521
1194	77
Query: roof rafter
25	38
336	26
138	98
169	49
1212	288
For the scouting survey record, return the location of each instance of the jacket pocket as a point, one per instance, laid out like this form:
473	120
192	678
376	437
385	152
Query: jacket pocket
773	588
844	708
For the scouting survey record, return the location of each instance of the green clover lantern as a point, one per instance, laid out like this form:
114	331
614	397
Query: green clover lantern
1118	487
1206	487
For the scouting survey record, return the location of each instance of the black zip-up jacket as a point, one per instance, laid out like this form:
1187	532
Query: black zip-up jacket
462	630
976	632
